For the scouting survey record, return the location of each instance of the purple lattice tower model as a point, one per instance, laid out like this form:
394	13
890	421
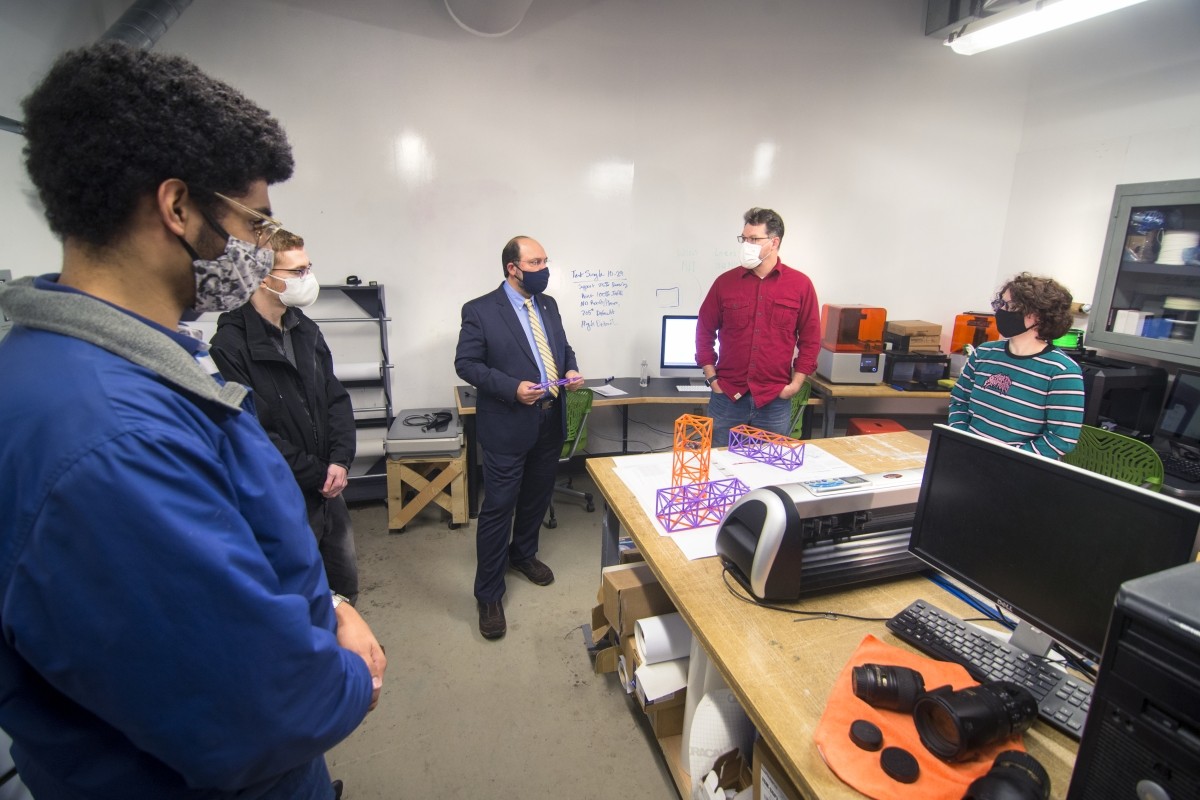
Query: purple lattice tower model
769	448
697	504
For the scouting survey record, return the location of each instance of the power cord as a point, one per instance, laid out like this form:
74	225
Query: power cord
811	615
437	421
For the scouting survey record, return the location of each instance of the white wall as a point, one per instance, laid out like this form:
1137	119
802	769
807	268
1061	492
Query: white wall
631	136
1114	101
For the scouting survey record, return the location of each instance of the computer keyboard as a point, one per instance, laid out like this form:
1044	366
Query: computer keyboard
688	387
1187	469
1063	700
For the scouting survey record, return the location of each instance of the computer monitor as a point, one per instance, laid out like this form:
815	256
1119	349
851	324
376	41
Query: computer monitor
1045	540
1179	423
677	352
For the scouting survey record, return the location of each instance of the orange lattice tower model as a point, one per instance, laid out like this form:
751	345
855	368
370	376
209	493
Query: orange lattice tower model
692	450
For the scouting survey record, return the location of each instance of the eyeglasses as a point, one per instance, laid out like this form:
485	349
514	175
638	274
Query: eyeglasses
298	272
535	262
999	304
263	225
744	239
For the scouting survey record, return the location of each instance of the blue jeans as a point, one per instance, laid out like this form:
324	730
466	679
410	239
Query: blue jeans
727	413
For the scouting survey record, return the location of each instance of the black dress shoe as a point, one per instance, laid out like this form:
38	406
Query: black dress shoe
337	790
491	620
535	570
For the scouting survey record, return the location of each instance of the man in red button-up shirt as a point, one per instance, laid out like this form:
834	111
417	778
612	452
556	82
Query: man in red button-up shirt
766	317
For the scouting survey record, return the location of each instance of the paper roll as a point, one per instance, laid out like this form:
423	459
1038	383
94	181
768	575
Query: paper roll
703	677
718	725
368	449
662	638
358	371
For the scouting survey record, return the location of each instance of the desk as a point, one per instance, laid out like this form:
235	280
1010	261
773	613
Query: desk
830	393
782	670
660	391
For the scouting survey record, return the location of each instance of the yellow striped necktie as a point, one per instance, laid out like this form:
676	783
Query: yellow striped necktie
539	338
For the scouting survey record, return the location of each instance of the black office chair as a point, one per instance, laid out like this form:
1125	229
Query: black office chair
579	405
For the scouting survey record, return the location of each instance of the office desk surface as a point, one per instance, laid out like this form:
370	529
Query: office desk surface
831	393
780	669
660	391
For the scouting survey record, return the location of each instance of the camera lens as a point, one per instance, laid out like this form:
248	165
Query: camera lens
883	686
954	726
1014	776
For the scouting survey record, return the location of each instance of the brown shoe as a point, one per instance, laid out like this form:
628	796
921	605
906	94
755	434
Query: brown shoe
491	620
535	570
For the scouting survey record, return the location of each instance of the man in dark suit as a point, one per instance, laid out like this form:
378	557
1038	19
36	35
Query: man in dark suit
512	344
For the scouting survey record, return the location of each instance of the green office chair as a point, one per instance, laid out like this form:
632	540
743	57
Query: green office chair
1117	456
579	405
799	404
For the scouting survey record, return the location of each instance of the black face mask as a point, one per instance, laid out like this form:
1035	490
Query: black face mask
1010	323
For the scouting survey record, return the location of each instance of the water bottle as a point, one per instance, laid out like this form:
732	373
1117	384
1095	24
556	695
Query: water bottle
644	380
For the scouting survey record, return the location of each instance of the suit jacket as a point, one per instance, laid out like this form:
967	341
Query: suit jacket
494	356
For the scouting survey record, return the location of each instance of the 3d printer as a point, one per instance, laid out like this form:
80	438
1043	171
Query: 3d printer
852	343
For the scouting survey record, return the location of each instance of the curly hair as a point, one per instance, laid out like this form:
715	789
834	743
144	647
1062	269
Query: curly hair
1046	299
109	123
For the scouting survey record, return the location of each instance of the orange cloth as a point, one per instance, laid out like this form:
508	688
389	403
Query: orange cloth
860	768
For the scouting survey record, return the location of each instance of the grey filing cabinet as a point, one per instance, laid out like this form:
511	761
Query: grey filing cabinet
354	322
1147	299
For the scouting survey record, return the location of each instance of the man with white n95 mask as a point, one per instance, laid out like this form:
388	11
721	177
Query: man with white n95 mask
271	346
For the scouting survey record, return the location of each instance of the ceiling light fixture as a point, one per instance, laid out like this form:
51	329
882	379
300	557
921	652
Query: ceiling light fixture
1026	20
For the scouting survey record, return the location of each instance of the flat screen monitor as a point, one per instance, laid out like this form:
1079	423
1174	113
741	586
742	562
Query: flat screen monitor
1179	422
1045	540
677	352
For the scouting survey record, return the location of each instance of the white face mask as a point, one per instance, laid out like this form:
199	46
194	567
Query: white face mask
750	255
298	292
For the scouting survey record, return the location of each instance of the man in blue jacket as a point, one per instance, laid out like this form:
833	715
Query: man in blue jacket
511	345
167	629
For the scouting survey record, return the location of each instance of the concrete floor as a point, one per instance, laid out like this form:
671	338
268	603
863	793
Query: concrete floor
462	717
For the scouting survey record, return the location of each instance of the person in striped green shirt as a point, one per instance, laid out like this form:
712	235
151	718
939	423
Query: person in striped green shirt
1022	390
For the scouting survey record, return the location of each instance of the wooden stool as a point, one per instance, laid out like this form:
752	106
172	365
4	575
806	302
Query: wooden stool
439	479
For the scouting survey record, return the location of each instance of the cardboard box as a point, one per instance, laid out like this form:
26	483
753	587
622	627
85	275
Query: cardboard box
771	782
603	647
913	327
913	344
630	592
666	721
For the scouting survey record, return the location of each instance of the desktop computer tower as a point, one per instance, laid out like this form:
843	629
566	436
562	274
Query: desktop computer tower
1142	737
1122	396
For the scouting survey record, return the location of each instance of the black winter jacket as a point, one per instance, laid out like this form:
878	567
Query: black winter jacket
304	409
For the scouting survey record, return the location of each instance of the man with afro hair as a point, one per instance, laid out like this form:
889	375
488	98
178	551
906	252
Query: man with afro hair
168	630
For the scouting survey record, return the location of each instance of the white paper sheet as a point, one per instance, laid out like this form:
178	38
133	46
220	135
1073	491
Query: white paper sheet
608	391
645	474
656	681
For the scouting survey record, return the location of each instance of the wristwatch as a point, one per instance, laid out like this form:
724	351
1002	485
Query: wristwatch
708	381
339	599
